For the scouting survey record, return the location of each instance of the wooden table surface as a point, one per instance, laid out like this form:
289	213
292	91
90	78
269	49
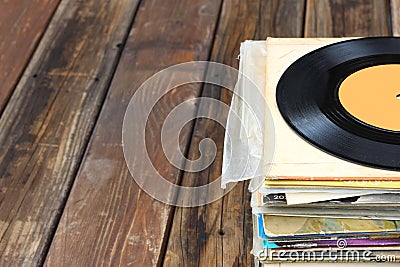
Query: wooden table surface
67	72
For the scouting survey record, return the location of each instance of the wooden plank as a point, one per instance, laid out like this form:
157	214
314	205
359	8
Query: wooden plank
220	234
47	123
395	16
22	23
108	220
339	18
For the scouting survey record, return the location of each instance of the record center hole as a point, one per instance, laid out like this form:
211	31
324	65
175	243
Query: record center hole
398	96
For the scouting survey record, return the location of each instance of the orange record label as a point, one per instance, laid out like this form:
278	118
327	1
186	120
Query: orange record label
372	95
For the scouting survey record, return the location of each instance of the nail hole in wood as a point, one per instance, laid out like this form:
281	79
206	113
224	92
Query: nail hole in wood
221	232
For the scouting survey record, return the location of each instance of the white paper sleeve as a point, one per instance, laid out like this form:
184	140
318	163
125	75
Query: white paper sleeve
243	145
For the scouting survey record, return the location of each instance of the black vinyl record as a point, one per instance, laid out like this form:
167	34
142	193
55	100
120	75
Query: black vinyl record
307	97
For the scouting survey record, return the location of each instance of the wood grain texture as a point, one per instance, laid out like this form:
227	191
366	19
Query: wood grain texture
340	18
220	234
108	219
48	120
395	16
22	23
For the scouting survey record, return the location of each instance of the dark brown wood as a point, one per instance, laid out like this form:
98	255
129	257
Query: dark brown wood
48	120
395	16
220	234
108	220
22	23
338	18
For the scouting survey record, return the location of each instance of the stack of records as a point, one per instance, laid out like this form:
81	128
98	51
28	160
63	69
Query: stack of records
330	189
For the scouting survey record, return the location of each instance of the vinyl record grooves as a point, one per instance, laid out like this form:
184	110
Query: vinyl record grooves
308	99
